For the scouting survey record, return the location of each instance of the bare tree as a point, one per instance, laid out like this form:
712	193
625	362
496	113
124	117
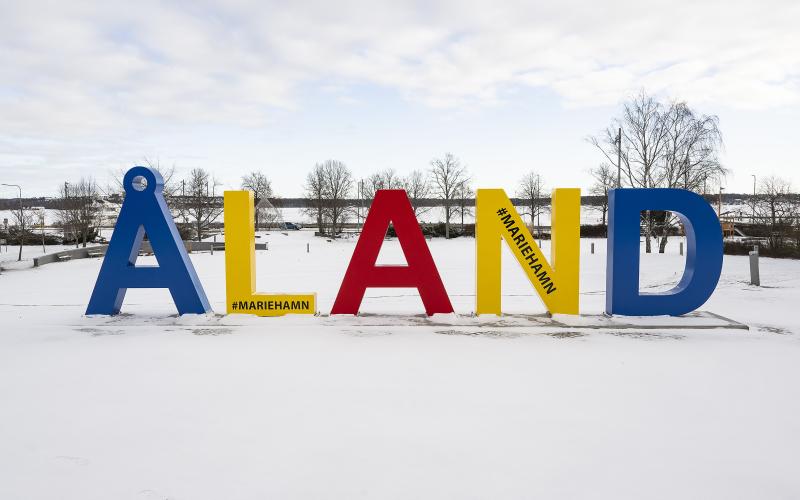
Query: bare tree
89	209
664	146
447	175
385	179
417	188
23	218
645	139
200	205
691	156
531	191
338	184
315	195
604	180
777	205
465	197
259	184
80	212
68	212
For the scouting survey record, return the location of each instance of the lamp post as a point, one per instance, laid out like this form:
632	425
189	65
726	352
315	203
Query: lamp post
754	197
719	203
21	215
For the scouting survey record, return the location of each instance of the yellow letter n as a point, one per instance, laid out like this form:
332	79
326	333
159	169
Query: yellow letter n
496	219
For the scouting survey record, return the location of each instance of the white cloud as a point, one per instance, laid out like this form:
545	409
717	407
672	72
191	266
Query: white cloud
110	64
91	72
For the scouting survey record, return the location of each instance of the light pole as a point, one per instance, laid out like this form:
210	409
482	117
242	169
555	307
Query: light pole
754	198
719	203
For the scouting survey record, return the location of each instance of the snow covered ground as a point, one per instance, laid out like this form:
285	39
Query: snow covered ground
148	405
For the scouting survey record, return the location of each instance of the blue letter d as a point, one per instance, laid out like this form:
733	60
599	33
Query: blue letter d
703	252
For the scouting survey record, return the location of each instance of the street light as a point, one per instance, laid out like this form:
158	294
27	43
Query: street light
754	197
21	221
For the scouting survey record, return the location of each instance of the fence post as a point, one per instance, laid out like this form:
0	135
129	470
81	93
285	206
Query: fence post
592	248
308	247
755	277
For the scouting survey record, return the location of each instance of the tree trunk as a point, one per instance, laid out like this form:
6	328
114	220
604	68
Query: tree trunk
533	217
648	232
446	223
663	243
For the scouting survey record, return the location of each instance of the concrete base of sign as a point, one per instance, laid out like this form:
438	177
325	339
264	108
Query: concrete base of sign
508	325
698	320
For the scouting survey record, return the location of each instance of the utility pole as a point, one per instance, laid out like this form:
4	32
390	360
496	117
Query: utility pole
619	158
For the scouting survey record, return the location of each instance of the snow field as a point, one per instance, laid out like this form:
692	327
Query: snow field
148	405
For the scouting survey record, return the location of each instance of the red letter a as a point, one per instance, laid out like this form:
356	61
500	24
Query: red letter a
391	205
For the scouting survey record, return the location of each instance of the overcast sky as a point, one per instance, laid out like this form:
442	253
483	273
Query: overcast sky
90	87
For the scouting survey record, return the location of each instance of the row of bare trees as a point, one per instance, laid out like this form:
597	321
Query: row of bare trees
195	199
329	189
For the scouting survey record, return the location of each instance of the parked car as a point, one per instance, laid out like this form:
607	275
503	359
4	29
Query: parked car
292	226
